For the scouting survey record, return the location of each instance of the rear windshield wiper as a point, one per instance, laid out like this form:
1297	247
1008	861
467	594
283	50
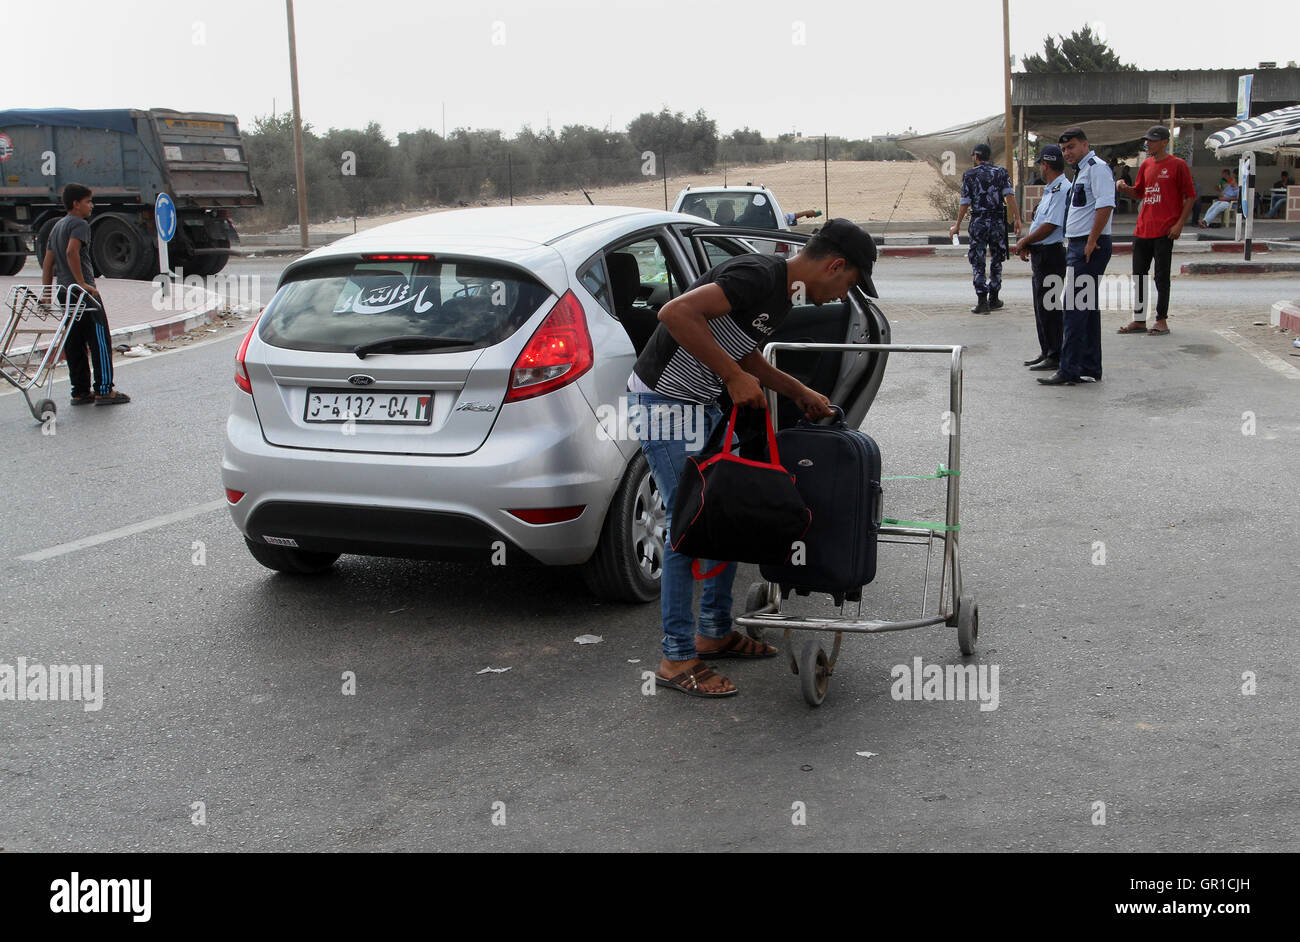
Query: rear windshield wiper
413	342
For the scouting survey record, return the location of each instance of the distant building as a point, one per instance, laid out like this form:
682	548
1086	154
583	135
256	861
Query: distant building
1116	107
884	138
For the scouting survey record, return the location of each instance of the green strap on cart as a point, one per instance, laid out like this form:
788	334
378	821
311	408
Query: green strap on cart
920	525
941	473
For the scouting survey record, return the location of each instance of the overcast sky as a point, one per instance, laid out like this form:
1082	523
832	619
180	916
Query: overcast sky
845	68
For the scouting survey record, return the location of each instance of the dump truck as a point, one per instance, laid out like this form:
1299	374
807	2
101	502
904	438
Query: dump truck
127	157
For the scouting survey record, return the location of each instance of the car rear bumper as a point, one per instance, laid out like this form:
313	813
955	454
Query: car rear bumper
542	453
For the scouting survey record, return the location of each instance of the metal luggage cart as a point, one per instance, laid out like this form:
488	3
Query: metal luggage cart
34	313
955	609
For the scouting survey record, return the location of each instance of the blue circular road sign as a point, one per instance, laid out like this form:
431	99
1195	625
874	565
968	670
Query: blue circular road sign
164	214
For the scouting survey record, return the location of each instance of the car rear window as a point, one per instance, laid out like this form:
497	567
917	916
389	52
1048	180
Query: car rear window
336	306
753	210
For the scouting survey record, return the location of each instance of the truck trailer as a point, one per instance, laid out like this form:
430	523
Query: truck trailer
127	157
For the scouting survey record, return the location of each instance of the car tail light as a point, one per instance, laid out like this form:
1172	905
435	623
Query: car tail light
397	258
241	372
557	354
234	496
548	514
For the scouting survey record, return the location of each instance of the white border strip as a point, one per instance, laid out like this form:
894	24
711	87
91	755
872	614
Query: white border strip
131	530
1271	360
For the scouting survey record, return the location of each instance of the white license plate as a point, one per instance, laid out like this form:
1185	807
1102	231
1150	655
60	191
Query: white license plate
390	407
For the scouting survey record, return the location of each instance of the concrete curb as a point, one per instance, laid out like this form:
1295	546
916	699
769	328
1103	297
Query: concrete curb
1117	248
1286	314
1239	268
166	327
154	331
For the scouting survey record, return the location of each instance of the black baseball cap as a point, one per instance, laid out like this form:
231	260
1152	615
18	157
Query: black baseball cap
1052	153
1157	132
1070	133
854	243
981	151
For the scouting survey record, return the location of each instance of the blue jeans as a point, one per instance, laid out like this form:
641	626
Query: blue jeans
1216	210
672	430
1081	340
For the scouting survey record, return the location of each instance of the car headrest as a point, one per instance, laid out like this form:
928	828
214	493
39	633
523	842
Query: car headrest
624	277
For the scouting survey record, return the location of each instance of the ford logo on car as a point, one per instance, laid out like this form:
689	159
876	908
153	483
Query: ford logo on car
361	379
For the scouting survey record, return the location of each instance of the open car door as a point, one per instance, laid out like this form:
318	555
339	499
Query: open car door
849	380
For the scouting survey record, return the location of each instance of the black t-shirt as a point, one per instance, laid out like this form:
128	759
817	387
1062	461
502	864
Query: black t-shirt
755	285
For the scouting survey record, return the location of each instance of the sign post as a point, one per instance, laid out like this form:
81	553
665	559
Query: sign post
1245	171
164	218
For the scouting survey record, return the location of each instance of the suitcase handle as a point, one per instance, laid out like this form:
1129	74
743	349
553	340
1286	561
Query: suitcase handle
834	408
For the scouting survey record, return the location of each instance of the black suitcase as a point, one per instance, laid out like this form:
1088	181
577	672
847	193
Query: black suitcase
837	472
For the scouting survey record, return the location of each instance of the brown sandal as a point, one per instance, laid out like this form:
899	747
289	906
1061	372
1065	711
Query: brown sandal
738	646
1136	327
688	682
1158	329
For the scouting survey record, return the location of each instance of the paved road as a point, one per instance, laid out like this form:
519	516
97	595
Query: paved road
1118	683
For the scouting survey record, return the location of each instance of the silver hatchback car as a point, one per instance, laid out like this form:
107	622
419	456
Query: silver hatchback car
435	388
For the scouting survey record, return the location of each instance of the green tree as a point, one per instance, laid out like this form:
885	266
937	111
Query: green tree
689	144
1083	51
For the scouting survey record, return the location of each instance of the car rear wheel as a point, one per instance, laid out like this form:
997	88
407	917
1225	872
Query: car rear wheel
286	559
629	558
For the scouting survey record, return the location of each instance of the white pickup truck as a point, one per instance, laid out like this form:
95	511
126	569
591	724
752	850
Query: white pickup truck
753	207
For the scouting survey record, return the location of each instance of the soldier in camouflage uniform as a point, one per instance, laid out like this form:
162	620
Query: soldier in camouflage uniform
984	188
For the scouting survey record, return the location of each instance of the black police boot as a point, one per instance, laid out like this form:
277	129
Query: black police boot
994	303
981	305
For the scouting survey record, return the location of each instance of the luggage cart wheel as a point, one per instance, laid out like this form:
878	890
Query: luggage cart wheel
755	599
968	623
45	410
814	672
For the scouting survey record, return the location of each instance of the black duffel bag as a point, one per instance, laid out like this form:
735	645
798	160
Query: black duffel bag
736	509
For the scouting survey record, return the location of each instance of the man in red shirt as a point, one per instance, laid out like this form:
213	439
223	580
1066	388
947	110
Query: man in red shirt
1164	185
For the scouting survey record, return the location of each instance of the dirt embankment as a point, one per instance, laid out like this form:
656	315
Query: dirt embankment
861	190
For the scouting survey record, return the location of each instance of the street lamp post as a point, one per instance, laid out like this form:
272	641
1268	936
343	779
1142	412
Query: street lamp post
297	128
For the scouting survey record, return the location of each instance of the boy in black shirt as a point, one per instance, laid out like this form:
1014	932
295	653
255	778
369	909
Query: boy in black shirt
67	261
708	339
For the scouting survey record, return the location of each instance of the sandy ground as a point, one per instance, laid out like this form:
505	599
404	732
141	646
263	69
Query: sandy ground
862	190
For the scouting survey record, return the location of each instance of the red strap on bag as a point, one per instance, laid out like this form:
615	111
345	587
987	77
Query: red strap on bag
695	570
772	456
774	459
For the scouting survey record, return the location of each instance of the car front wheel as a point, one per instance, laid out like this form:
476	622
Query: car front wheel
629	558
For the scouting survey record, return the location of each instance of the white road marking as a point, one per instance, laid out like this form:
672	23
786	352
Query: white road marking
1271	360
151	524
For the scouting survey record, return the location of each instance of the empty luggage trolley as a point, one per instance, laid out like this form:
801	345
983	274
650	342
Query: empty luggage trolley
33	339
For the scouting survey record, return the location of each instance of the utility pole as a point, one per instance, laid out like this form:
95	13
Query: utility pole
826	172
297	128
1006	71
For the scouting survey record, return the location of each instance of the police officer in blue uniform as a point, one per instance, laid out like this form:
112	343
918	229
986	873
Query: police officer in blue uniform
984	187
1044	249
1087	236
